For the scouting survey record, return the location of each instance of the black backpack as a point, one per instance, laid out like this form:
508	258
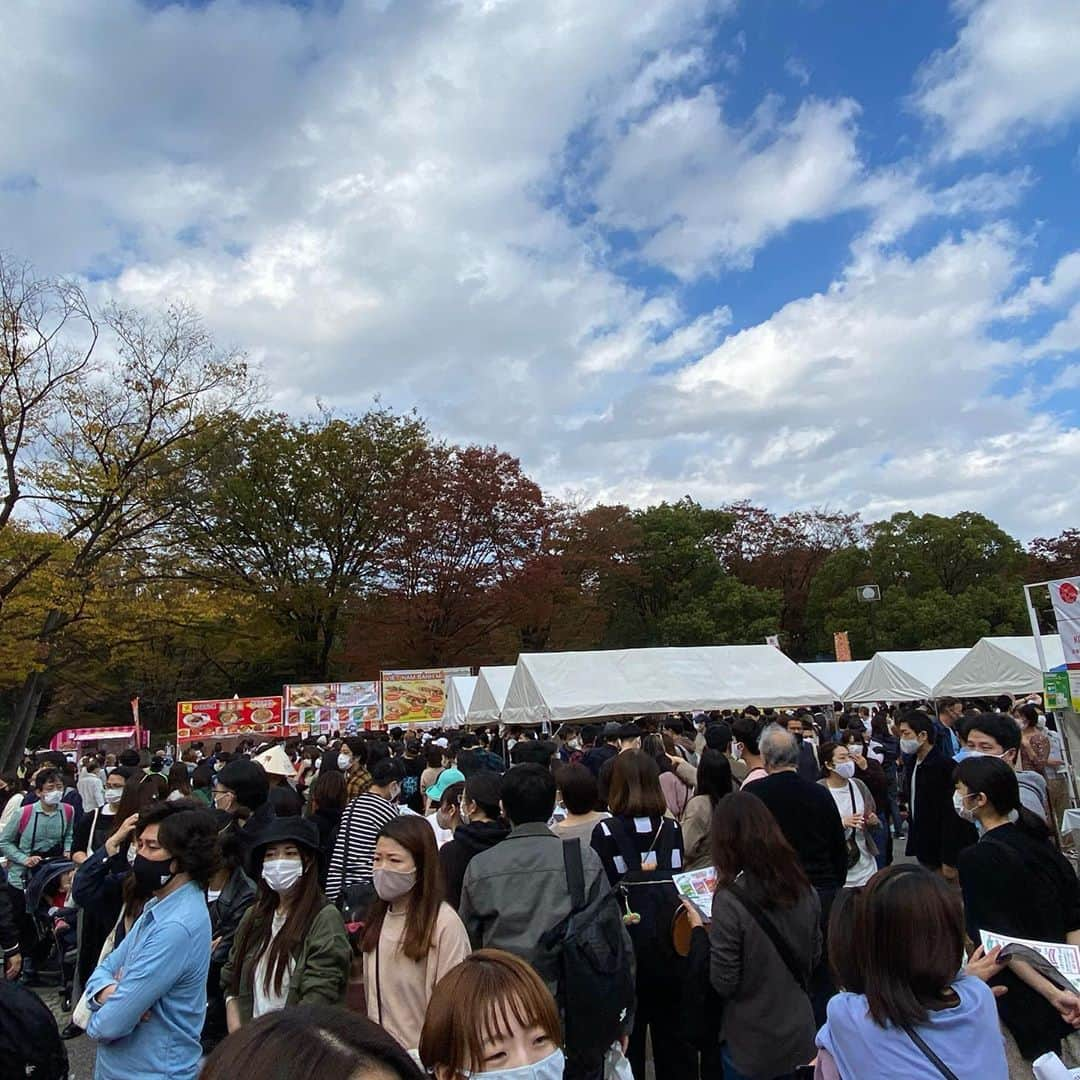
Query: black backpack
589	957
30	1043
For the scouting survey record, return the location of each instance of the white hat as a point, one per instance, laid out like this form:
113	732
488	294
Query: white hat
276	762
440	742
321	740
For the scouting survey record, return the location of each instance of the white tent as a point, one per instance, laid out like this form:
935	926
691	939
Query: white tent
837	675
492	685
1002	665
557	687
903	676
459	692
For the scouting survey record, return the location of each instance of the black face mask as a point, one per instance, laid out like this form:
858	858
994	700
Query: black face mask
151	874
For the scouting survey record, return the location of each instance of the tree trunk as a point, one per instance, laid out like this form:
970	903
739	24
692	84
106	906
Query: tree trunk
22	720
25	712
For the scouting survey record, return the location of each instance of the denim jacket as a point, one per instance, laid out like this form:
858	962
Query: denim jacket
160	972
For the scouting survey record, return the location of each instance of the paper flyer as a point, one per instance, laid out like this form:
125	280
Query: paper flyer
698	887
1066	958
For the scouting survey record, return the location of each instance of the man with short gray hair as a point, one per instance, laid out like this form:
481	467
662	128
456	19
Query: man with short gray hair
808	818
779	750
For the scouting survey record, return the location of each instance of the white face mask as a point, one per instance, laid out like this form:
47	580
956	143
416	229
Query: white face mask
958	802
344	761
909	746
282	874
113	794
550	1068
52	798
846	769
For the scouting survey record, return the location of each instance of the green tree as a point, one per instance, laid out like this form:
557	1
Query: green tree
945	583
298	516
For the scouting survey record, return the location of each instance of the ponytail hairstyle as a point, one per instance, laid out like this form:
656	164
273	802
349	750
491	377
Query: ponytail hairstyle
990	776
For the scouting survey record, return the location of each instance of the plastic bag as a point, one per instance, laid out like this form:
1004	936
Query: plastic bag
616	1067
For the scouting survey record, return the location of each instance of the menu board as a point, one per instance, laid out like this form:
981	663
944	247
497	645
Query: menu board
411	697
231	716
317	709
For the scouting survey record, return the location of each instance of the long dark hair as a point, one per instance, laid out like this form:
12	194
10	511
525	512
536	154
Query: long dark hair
745	836
179	779
900	941
130	799
415	835
253	937
713	775
635	789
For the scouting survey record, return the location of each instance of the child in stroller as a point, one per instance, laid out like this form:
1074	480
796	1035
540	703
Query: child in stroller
52	915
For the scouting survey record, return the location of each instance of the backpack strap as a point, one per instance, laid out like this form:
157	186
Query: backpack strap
575	872
753	909
24	820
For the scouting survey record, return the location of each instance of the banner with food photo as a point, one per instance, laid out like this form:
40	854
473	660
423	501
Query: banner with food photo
325	708
414	697
229	717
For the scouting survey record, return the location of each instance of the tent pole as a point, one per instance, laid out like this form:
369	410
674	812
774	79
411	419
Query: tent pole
1033	618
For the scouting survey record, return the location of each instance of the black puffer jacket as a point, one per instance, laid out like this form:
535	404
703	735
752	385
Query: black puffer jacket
469	840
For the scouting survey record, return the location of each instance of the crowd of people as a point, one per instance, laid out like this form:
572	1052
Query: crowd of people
397	905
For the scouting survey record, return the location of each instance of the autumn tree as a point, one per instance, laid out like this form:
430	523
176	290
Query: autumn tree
99	468
470	529
1053	557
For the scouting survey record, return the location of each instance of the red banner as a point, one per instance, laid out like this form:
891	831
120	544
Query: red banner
233	716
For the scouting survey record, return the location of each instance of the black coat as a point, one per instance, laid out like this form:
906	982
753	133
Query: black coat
809	820
931	823
469	840
1022	887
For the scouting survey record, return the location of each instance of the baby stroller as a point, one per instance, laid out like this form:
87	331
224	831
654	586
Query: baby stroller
54	945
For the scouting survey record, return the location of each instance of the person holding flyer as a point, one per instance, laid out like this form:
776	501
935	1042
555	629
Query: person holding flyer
1014	882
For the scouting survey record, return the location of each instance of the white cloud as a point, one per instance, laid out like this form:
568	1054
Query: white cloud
704	194
370	200
1013	69
1062	338
877	394
1062	284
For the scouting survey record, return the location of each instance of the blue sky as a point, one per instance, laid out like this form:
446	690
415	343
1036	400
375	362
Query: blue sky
805	252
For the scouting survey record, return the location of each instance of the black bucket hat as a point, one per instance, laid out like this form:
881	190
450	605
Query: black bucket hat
281	830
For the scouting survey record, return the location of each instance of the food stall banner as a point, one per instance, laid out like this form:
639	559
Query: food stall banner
71	738
317	709
414	697
230	716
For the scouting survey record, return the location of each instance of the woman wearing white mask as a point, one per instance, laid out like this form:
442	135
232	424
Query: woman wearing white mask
857	811
492	1018
291	947
413	937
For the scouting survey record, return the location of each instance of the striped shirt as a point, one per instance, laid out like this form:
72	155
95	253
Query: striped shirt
354	846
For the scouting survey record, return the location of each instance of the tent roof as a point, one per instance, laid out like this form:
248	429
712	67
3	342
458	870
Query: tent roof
837	675
492	685
1001	665
903	676
459	692
557	687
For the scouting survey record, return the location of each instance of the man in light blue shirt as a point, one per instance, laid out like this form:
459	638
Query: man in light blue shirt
148	997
